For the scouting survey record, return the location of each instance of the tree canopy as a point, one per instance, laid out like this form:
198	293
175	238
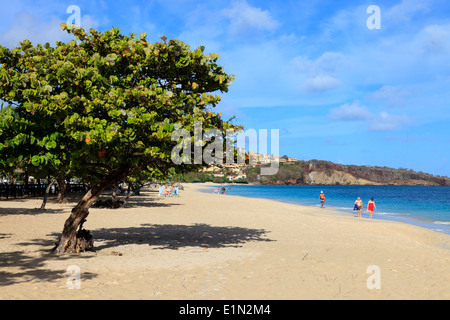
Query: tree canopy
104	106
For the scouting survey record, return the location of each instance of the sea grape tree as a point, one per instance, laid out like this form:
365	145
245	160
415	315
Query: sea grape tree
106	104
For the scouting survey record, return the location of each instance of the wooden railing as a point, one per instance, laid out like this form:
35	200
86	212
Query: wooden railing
36	190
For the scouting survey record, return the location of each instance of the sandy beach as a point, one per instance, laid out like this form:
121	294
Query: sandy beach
208	246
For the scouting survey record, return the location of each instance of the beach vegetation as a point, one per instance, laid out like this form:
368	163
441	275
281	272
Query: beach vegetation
103	107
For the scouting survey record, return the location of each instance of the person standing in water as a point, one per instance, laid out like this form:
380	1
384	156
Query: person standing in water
358	206
371	207
322	199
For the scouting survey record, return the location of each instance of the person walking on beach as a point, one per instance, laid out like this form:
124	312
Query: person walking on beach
322	199
371	207
358	206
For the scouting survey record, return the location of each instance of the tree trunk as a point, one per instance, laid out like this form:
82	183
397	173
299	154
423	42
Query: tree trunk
12	179
114	192
47	190
61	178
73	241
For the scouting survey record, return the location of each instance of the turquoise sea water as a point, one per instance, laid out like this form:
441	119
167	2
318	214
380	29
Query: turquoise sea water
427	207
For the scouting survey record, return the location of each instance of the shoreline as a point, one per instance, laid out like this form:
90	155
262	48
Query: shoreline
437	226
202	246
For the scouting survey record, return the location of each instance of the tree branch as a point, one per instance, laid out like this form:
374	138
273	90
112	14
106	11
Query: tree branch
101	165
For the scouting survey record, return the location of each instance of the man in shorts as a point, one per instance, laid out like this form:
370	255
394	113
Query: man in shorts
322	199
358	206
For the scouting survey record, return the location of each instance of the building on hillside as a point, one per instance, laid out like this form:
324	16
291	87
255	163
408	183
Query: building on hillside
237	177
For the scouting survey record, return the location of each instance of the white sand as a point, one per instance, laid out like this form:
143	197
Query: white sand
210	246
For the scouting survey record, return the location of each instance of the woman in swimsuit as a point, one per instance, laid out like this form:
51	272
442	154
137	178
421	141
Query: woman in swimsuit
371	207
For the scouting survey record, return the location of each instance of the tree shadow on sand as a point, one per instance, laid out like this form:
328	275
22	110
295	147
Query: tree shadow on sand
21	267
177	236
24	266
147	199
27	211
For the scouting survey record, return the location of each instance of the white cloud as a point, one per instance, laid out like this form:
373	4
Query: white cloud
384	92
395	96
374	122
245	19
215	28
352	112
326	63
321	83
388	122
435	39
204	26
319	75
88	22
39	29
406	10
34	28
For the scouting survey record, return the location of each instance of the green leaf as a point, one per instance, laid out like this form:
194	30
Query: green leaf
51	145
35	161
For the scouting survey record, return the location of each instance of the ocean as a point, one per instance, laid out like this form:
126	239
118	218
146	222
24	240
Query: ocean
427	207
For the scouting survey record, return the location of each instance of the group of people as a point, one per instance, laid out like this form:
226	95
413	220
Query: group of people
221	190
371	207
168	191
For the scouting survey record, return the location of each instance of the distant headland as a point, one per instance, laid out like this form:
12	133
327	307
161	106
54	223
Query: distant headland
316	172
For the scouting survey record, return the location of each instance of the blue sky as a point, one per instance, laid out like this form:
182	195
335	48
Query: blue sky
335	89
